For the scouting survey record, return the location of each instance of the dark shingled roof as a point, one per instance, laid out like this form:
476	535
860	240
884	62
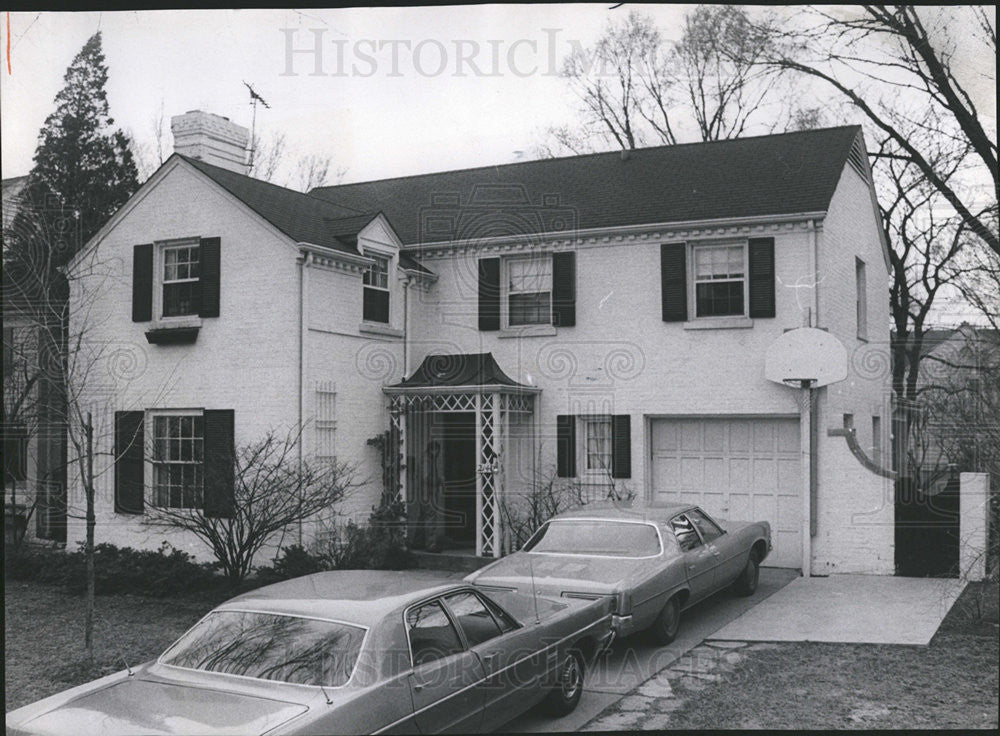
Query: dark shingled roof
302	217
767	175
463	369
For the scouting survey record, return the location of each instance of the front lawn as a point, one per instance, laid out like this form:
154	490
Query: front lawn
43	626
952	683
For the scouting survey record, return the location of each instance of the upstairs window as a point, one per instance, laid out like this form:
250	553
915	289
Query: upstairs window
529	291
178	452
719	280
376	290
181	273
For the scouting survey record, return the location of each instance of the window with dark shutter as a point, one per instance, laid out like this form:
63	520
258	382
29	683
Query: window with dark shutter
621	446
129	462
220	451
564	289
761	262
489	294
673	281
566	446
142	283
211	263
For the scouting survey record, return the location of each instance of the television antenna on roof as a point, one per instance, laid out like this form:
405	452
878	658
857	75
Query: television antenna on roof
254	99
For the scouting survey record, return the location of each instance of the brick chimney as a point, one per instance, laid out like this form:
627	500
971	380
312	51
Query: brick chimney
212	139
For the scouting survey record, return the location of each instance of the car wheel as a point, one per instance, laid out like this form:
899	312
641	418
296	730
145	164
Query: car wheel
668	622
746	583
568	690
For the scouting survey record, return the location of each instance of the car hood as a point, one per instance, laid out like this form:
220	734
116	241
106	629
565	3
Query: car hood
559	573
138	706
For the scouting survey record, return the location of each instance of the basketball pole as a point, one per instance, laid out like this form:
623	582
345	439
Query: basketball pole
805	452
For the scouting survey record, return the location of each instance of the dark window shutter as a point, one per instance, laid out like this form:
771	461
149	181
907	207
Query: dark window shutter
564	289
761	257
220	451
489	294
566	446
621	446
375	305
211	262
142	283
673	281
129	462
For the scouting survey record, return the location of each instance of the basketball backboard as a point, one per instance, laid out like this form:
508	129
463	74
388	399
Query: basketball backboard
806	354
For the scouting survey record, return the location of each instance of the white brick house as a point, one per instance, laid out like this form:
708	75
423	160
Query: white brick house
592	316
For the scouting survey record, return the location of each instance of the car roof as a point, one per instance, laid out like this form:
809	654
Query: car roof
608	510
352	596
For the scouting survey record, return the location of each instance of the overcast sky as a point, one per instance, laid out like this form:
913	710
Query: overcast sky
401	90
375	118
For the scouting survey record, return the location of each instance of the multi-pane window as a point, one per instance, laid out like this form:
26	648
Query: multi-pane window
178	444
180	280
529	291
376	290
719	280
597	434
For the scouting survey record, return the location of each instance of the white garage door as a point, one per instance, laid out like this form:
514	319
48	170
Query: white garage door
742	469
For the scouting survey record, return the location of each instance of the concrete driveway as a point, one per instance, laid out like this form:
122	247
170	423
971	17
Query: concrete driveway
634	660
854	609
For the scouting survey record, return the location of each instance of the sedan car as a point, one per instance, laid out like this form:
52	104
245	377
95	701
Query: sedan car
651	565
346	652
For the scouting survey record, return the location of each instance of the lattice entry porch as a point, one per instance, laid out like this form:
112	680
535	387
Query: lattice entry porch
409	411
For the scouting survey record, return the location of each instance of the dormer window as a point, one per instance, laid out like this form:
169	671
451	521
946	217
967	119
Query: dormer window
376	290
181	275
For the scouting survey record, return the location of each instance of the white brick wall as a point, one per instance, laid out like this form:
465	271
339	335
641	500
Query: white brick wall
620	357
855	506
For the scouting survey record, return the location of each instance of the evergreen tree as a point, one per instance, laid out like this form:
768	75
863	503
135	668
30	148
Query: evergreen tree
83	172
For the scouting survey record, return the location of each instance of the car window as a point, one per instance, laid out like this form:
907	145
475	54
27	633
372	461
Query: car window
684	530
506	621
432	635
708	528
598	538
477	623
304	651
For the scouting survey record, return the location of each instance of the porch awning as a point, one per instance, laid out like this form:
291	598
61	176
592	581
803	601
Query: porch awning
459	371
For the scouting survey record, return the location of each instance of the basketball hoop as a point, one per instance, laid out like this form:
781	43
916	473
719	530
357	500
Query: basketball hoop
806	357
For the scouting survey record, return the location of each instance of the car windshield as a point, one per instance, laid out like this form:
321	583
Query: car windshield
303	651
596	537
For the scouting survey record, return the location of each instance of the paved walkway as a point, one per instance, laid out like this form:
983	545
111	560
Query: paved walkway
634	660
852	609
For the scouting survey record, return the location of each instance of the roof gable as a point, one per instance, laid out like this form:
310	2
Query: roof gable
767	175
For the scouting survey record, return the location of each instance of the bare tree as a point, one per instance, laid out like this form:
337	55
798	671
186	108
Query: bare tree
150	153
272	491
636	88
903	79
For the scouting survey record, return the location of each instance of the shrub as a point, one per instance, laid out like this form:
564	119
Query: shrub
380	545
292	562
154	573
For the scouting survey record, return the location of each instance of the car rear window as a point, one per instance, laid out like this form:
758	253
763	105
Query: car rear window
302	651
597	538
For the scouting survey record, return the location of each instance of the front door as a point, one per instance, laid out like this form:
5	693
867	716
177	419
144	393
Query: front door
458	431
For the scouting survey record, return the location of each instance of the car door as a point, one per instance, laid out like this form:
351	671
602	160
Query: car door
726	547
446	682
507	653
699	559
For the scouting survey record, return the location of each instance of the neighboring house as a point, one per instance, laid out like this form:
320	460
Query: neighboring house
603	317
34	448
958	426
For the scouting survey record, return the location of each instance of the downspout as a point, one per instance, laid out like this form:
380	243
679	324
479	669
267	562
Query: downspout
303	329
406	325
